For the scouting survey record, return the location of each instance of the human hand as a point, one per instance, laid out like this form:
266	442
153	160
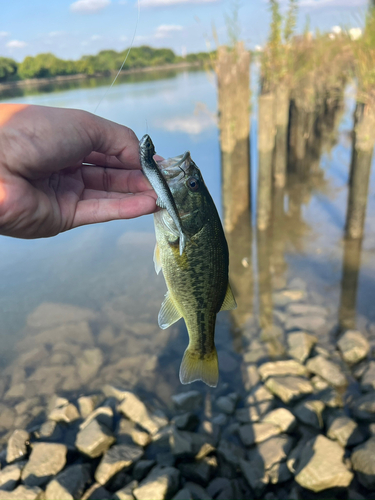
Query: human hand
45	186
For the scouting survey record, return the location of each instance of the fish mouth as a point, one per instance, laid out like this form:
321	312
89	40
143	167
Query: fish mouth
175	168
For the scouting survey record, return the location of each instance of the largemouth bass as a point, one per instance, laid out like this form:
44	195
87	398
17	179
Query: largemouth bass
197	280
159	184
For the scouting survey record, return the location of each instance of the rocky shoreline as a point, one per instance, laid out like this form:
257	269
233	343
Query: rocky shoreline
297	432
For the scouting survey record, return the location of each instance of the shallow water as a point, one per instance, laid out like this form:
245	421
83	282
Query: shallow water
106	271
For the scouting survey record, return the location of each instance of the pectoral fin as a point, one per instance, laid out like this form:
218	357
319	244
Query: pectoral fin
168	313
157	262
229	302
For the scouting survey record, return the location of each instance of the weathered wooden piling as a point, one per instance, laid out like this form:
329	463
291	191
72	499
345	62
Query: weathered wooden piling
362	149
266	142
233	77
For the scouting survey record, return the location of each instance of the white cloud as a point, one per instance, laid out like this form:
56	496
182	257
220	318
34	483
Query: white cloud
166	3
56	33
4	34
192	125
16	44
96	37
89	6
165	30
123	38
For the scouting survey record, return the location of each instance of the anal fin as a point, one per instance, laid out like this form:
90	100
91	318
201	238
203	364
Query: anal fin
157	262
168	313
229	301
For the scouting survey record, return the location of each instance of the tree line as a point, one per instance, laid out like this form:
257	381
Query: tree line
105	62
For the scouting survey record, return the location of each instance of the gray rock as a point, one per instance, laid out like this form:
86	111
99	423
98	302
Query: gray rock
220	419
94	439
89	364
282	418
368	377
199	471
272	451
248	414
46	460
284	297
183	494
188	444
250	376
16	391
364	407
281	368
260	399
327	370
363	460
142	468
17	449
166	459
306	310
296	453
257	432
227	404
353	346
230	452
49	314
319	383
66	413
186	422
126	493
158	485
86	405
289	388
310	413
255	474
197	492
344	430
10	475
117	458
7	416
217	485
133	408
103	415
188	401
24	493
69	484
309	323
50	431
97	492
300	345
321	466
330	397
279	473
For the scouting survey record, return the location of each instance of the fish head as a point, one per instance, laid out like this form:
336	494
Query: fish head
146	146
188	189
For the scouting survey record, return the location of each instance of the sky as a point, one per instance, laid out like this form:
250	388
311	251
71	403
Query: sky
70	29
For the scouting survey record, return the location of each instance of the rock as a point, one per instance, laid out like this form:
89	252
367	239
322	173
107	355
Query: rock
24	493
17	449
300	345
188	444
117	458
69	484
368	377
227	404
183	494
86	405
197	492
272	451
46	460
257	432
250	376
279	473
281	368
310	413
142	468
260	399
289	388
282	418
49	314
199	471
188	401
330	397
94	439
160	483
230	452
97	492
7	416
66	413
344	430
140	437
17	391
255	475
10	475
327	370
248	414
306	310
364	407
321	466
103	415
89	364
286	296
186	422
133	408
165	459
126	493
363	460
50	431
318	383
217	485
227	362
309	323
353	346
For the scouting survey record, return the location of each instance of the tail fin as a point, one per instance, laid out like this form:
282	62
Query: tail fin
194	368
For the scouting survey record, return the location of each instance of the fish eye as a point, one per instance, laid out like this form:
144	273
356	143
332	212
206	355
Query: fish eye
193	184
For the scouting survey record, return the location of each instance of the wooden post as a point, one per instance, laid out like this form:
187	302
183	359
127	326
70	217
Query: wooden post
266	143
363	145
281	138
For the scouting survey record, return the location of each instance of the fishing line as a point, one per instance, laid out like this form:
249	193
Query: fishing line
127	54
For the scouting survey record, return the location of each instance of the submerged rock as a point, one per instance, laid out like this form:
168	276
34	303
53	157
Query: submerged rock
368	377
272	451
10	475
46	460
309	323
69	484
188	401
300	345
282	418
281	368
117	458
327	370
310	413
24	493
353	346
363	460
94	439
321	466
17	449
158	485
289	388
364	407
126	493
344	430
133	408
257	432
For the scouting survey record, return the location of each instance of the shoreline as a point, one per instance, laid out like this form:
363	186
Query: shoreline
82	76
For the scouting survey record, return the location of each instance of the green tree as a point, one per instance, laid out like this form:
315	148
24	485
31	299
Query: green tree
8	68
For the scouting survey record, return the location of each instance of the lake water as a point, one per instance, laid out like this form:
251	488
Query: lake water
99	281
